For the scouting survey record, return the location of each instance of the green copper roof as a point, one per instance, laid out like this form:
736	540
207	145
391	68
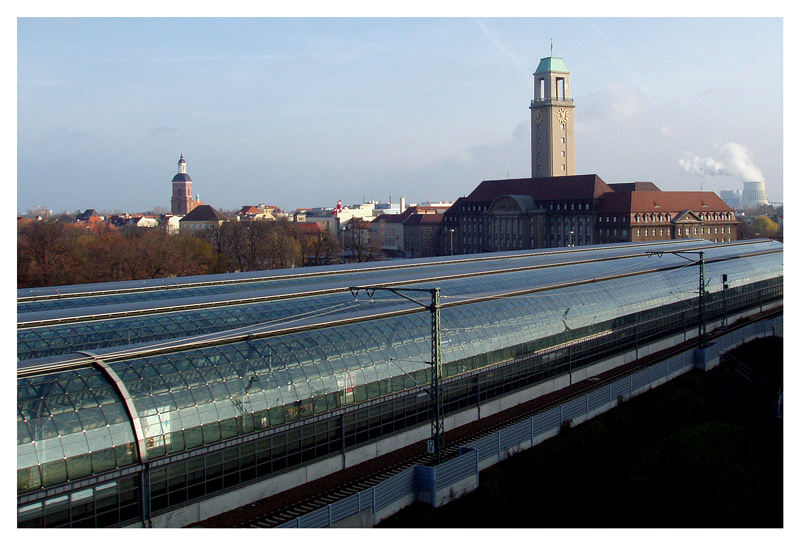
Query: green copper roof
551	64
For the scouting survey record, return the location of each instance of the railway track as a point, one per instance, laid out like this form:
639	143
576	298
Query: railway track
460	437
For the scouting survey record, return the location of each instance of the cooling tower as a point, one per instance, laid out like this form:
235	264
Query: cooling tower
754	194
731	197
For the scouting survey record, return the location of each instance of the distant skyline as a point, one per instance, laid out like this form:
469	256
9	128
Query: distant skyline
303	112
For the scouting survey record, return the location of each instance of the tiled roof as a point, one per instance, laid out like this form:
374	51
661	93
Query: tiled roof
403	216
308	228
418	219
204	212
84	216
663	201
634	186
583	187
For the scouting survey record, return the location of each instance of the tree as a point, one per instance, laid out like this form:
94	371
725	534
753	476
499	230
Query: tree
233	243
43	252
358	243
765	227
319	249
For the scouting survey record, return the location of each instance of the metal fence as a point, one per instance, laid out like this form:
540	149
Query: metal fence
426	483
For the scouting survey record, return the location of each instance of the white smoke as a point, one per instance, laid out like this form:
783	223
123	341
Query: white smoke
733	160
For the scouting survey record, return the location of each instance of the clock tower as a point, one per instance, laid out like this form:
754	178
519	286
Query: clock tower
552	122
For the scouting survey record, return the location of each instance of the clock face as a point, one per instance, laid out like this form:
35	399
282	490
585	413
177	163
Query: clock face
537	116
562	115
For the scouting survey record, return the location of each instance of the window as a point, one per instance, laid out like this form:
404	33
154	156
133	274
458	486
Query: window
563	154
563	167
563	140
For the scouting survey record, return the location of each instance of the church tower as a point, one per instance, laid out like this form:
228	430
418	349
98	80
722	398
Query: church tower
182	202
552	122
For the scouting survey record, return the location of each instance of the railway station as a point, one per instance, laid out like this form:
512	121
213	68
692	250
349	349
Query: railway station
165	402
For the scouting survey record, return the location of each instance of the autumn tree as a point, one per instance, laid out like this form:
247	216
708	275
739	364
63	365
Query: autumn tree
765	227
44	252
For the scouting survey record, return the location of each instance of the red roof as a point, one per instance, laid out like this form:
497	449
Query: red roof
663	201
584	187
417	219
308	228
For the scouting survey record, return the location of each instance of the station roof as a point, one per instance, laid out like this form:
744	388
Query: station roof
205	387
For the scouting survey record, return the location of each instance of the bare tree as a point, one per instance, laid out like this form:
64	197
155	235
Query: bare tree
43	252
357	241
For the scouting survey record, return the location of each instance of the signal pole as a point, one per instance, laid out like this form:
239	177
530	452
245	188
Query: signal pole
436	442
701	325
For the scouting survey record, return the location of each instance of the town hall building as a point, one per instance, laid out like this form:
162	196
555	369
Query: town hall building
555	207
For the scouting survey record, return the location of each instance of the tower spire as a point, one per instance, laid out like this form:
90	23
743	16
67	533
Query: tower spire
551	47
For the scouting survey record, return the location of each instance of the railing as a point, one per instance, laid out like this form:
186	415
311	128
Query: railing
436	485
551	99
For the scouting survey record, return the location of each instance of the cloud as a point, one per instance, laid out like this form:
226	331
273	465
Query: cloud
733	160
613	109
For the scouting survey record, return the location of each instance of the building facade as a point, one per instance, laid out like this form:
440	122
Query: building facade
579	210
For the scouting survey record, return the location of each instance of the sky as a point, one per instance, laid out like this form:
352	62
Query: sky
301	112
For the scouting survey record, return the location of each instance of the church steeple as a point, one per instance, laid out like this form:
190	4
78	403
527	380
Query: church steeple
182	202
552	122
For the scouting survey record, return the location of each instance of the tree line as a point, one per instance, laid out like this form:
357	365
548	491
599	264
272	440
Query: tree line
51	253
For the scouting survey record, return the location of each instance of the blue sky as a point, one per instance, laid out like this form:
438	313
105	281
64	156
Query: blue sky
302	112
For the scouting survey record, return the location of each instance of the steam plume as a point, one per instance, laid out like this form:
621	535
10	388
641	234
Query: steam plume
734	160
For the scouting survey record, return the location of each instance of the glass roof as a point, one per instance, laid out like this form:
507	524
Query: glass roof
73	423
178	293
44	341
